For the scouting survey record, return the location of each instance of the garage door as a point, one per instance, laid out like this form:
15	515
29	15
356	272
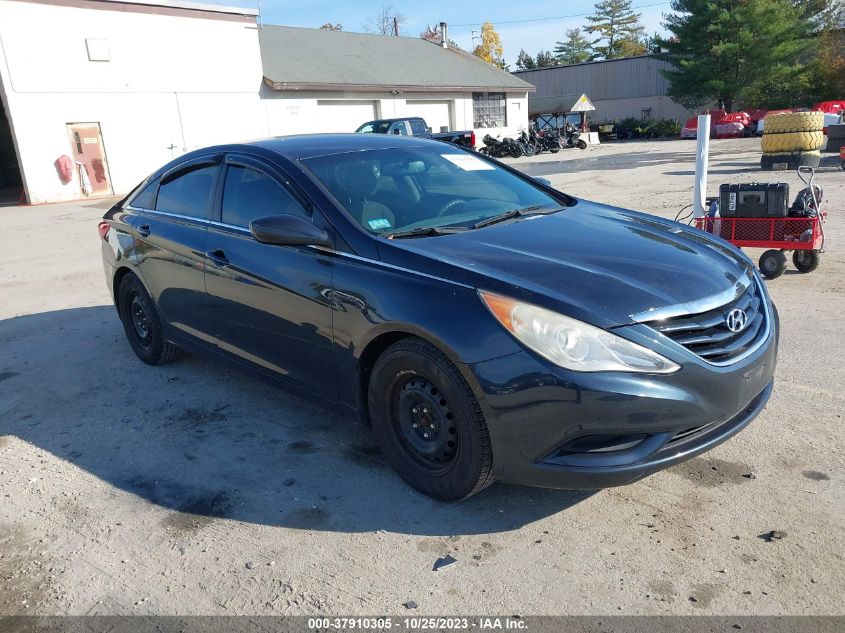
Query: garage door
435	113
344	116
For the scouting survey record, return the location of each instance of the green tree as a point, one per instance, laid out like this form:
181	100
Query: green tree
618	28
490	48
545	59
575	49
524	61
722	50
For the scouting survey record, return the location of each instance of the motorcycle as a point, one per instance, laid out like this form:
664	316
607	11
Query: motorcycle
528	147
500	148
548	140
572	138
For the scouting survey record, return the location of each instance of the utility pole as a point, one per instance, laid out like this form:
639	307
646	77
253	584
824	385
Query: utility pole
395	26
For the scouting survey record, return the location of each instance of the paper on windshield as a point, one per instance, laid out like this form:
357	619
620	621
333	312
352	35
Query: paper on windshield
468	162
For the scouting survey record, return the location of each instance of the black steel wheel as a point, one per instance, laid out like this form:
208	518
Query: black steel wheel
142	324
806	261
772	263
425	423
582	144
428	422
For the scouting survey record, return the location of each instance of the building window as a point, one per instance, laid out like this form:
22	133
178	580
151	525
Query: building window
489	109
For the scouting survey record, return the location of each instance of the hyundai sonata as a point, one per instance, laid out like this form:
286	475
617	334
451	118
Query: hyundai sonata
484	324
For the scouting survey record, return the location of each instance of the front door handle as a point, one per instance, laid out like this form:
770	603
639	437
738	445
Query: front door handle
144	230
218	258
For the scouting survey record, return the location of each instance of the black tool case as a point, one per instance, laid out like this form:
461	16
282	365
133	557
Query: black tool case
755	200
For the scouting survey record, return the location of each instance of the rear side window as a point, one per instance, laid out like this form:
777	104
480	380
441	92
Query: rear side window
189	193
249	194
144	198
418	127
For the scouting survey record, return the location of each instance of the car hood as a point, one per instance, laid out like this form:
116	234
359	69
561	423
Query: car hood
596	263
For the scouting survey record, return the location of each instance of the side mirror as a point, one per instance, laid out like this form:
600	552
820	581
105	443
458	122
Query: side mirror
543	181
288	230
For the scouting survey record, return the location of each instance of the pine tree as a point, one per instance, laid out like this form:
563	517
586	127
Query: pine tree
576	49
545	59
524	61
618	28
723	50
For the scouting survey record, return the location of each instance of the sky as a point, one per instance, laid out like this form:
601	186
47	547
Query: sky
529	24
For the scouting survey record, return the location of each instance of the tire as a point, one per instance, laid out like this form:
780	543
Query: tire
581	144
772	264
457	460
793	122
789	160
142	323
792	142
806	261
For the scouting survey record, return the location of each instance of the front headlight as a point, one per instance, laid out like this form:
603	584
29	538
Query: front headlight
570	343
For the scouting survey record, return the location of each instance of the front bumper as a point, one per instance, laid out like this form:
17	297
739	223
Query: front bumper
555	428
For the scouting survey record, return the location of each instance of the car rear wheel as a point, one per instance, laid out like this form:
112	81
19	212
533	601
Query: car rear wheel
142	324
428	422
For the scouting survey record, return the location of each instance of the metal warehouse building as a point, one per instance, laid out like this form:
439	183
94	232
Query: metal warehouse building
619	88
98	93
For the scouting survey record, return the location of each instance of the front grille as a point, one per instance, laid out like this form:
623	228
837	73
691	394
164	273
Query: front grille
707	335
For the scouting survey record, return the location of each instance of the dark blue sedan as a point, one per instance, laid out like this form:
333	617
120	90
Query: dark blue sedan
484	324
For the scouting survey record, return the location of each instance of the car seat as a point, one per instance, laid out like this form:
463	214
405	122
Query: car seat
358	182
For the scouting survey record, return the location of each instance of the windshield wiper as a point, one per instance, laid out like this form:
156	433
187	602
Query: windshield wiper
514	213
425	231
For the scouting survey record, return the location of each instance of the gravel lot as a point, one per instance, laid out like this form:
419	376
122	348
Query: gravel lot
193	489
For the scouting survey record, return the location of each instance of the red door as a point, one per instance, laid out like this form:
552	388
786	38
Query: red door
91	170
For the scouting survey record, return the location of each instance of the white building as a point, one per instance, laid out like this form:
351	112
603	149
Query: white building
98	93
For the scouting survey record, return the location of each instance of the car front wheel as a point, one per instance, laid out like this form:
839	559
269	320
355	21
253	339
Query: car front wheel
142	323
428	422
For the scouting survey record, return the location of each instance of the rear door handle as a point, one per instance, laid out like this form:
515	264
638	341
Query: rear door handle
218	258
144	230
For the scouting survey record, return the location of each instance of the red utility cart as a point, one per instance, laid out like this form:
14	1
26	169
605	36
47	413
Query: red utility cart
802	235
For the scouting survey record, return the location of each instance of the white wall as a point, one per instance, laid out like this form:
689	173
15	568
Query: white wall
170	81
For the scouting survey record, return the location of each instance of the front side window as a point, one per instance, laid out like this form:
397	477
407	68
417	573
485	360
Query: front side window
489	109
189	193
399	189
249	194
399	128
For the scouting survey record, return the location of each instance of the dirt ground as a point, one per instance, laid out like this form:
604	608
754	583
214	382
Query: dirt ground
193	489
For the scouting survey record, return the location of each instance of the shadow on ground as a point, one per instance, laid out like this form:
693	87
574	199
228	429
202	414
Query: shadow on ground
207	442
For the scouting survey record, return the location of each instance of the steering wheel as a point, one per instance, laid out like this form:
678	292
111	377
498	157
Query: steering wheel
446	209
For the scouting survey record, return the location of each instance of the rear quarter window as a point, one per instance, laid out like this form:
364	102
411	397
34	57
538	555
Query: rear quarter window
144	198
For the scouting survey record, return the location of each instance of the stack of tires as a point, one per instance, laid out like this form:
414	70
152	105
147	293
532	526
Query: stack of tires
792	140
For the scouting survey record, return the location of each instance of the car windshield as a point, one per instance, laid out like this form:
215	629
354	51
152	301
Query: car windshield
395	190
374	127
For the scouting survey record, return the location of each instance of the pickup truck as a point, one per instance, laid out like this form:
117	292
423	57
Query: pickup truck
416	126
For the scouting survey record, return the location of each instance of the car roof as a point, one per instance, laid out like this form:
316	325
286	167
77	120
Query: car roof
311	145
401	118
